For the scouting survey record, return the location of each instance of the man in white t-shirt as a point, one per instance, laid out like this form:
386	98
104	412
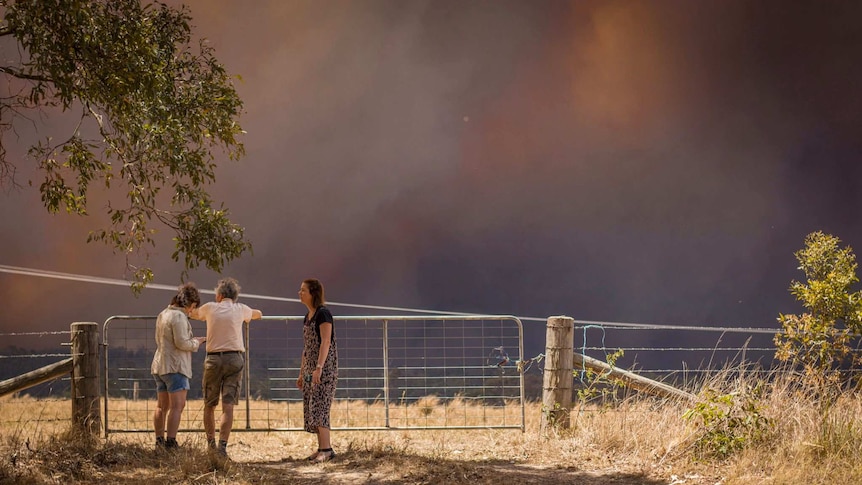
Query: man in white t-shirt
225	358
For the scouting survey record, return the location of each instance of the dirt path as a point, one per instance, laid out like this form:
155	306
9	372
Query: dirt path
355	469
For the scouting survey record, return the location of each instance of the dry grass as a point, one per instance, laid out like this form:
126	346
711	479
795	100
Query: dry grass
428	411
633	441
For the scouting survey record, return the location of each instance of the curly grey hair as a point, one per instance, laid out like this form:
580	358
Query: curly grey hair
228	288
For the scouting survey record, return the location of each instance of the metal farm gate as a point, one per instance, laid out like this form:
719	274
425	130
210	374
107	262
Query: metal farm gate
395	372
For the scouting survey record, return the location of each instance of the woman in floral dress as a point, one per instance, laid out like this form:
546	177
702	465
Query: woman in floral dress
318	373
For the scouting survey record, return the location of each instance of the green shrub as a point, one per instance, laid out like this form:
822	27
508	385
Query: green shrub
728	423
599	385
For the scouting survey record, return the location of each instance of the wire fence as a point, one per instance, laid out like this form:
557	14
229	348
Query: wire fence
473	369
682	356
395	372
34	405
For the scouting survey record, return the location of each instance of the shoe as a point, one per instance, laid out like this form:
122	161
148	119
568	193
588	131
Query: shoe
171	444
218	458
218	453
160	443
221	451
323	455
312	456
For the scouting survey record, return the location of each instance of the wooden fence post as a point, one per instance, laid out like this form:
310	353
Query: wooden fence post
85	377
558	379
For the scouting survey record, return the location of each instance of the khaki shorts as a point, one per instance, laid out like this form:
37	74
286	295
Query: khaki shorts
223	377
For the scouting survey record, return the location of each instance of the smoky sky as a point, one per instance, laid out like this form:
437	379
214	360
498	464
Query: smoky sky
622	161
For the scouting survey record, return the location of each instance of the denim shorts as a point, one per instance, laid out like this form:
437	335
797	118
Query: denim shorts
171	382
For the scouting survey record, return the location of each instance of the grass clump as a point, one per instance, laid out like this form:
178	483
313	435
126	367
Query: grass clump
729	422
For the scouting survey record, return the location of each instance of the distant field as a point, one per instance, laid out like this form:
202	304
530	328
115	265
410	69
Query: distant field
426	412
50	415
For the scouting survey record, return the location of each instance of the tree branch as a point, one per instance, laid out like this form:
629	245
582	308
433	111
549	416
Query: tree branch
23	75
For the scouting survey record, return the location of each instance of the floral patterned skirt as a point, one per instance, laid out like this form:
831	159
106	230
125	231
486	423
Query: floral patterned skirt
317	402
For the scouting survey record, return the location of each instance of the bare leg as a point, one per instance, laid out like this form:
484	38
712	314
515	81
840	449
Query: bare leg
323	442
209	422
175	411
325	452
226	421
159	414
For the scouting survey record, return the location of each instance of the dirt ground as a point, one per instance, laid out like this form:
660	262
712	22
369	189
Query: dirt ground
355	467
414	457
413	469
388	457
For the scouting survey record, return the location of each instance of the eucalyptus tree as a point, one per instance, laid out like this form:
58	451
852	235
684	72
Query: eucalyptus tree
154	111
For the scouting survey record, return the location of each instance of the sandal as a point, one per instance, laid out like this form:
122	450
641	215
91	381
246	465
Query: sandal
323	455
313	456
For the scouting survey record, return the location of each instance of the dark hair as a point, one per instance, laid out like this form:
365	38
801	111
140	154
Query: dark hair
186	296
228	288
315	287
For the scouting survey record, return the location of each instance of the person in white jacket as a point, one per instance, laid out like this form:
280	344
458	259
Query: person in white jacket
172	363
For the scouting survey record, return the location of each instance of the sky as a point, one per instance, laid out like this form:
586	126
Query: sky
625	161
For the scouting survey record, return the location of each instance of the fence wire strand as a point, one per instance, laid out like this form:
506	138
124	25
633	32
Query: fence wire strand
21	334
